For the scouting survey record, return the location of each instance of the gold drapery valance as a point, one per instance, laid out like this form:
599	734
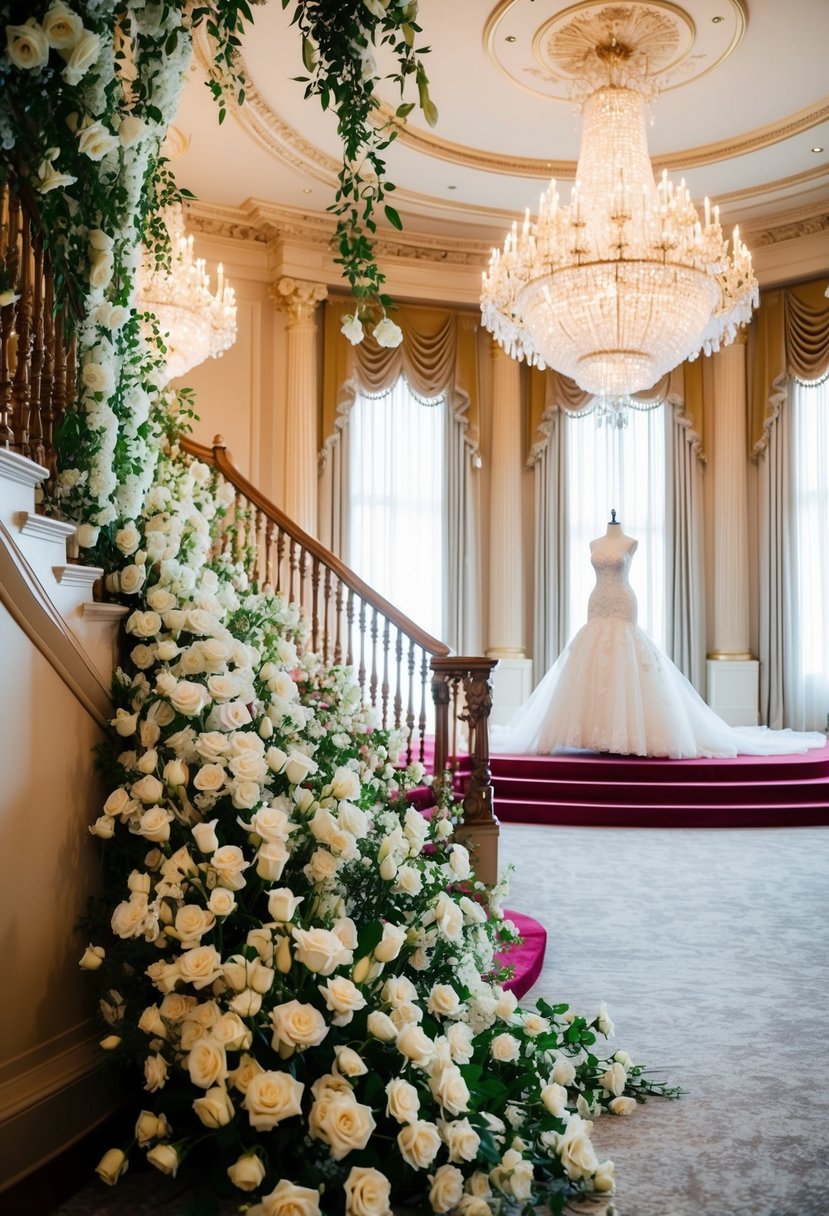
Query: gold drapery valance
439	354
789	336
550	392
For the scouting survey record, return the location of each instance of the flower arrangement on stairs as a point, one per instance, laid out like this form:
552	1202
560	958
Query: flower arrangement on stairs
297	967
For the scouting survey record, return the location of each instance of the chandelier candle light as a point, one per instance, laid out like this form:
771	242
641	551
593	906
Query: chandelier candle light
195	323
623	284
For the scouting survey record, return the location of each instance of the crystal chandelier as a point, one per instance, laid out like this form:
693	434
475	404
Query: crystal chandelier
626	282
195	323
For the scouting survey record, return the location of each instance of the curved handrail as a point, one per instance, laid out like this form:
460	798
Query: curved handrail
217	455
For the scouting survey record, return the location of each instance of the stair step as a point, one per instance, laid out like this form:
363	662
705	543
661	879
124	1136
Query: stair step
656	816
625	769
105	612
548	789
77	576
14	467
45	528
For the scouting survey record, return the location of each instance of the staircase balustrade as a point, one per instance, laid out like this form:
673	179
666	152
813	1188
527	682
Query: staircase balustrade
394	660
37	354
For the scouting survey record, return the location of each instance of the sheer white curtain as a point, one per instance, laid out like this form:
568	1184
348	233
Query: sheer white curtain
622	468
397	501
806	665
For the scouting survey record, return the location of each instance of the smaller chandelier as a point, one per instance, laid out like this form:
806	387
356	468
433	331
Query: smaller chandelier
195	323
626	282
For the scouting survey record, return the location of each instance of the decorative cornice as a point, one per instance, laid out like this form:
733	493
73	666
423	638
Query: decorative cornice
788	226
265	222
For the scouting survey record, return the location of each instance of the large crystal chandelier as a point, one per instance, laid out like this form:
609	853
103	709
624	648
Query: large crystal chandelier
618	287
195	323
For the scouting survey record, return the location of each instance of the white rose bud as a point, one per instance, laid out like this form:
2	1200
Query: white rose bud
247	1173
92	958
111	1166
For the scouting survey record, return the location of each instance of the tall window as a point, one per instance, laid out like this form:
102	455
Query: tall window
397	501
810	536
622	468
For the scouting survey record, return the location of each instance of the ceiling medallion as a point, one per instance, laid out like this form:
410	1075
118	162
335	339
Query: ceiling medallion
624	283
675	47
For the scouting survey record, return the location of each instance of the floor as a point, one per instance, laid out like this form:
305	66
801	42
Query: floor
711	949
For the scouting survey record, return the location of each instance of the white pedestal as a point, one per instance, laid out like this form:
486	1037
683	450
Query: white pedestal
733	690
511	686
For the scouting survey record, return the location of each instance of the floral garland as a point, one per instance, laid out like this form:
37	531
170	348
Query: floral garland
89	89
299	967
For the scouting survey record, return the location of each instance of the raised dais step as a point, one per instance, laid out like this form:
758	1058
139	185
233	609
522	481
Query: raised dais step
627	791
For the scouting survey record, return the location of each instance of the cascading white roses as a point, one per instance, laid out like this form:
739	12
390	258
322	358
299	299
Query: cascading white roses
301	967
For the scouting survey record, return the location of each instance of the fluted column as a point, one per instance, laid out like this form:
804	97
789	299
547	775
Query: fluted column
299	300
506	587
512	679
732	671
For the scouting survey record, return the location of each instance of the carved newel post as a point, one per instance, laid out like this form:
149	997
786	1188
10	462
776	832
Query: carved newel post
473	677
299	300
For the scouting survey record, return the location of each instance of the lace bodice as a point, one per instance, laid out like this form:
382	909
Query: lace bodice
613	595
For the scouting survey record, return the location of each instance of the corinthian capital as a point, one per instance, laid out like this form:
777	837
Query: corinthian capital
298	298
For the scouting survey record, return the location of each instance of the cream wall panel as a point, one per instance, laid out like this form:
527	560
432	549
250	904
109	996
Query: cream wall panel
48	868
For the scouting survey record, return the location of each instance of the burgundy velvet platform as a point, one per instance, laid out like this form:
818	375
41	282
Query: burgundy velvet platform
589	790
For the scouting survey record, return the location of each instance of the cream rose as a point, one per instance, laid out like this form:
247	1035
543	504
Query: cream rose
111	1166
345	784
188	698
204	834
207	1063
341	1122
289	1199
403	1101
504	1048
446	1189
381	1026
200	966
348	1063
144	624
575	1149
554	1098
342	998
61	26
28	48
419	1144
320	950
210	779
448	918
215	1108
282	903
165	1158
221	901
80	57
150	1126
297	1026
298	766
443	1000
367	1192
155	1073
614	1080
247	1173
271	1097
390	944
462	1141
244	1072
623	1106
95	141
564	1072
229	862
131	130
450	1090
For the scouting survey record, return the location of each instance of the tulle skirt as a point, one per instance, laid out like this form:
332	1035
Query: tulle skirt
613	690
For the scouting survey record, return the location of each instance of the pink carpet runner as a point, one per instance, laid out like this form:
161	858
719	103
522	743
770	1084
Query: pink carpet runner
528	956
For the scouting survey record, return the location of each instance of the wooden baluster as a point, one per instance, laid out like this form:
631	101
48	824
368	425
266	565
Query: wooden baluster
480	826
361	670
373	681
11	216
326	607
398	684
280	557
338	608
21	386
237	540
292	567
440	696
421	721
349	617
303	574
36	401
453	754
60	391
315	602
410	703
47	375
384	690
258	552
269	525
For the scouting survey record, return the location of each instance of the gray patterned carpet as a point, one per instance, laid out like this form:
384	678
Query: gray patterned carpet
711	949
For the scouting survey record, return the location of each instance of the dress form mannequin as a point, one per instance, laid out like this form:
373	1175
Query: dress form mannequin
613	690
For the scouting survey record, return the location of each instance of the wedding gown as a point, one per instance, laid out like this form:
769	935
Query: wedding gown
613	690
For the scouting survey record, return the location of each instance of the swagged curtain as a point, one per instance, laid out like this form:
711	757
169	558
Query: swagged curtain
438	356
552	399
788	348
